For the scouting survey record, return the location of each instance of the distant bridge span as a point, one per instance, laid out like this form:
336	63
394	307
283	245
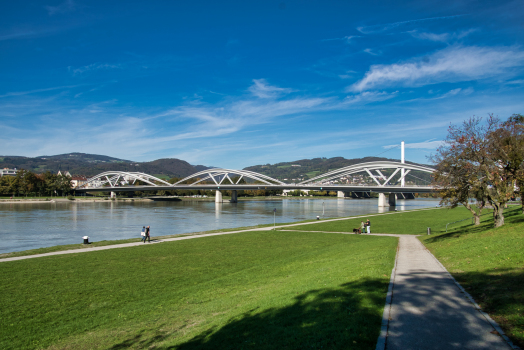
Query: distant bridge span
229	179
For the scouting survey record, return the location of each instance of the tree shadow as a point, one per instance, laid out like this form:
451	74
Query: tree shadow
499	292
348	316
344	317
430	312
141	340
511	216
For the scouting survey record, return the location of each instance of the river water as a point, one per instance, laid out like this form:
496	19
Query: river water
37	225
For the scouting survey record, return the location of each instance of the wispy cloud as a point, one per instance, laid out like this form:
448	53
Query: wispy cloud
94	67
370	96
347	39
429	144
452	64
22	93
262	89
379	28
66	6
442	37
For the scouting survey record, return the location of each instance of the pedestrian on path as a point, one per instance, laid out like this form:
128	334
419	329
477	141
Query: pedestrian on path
143	234
368	226
362	227
148	235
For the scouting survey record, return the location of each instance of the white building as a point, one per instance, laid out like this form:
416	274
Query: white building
6	171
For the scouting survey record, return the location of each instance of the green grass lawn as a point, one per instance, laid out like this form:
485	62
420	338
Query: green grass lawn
263	290
489	264
413	222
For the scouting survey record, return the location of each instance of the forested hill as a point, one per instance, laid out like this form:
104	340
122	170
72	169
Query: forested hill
307	168
92	164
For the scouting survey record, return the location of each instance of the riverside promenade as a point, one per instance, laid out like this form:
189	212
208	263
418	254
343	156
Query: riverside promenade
425	307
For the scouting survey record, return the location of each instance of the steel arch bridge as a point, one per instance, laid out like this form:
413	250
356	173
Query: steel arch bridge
222	179
219	175
369	167
120	178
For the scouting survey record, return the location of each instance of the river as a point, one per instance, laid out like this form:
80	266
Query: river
35	225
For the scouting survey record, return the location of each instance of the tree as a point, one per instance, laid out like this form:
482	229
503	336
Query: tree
469	165
508	147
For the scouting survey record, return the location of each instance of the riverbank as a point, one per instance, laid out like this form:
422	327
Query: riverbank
334	224
256	290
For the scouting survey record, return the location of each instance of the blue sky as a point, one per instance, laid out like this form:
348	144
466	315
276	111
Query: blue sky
240	83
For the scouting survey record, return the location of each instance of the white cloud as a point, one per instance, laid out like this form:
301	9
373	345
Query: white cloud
66	6
452	64
379	28
262	89
443	37
93	67
429	144
370	96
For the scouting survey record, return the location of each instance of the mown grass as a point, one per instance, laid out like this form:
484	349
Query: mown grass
489	264
406	222
263	290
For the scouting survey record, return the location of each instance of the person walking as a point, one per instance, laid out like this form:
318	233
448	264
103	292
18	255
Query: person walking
368	226
143	234
362	227
148	235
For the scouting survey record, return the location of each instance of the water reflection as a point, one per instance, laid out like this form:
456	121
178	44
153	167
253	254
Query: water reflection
28	226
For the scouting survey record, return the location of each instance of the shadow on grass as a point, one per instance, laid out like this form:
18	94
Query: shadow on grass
499	292
511	216
430	312
336	318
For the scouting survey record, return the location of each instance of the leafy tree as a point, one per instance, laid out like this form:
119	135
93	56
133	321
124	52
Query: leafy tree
508	147
471	165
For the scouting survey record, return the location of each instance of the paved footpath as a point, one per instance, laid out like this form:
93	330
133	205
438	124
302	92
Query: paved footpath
429	311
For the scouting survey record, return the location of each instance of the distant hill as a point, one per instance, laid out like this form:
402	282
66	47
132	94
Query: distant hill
92	164
307	168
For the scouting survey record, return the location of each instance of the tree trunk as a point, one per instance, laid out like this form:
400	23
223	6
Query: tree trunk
477	220
498	215
474	212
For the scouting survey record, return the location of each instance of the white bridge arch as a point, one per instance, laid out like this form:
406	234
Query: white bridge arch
219	175
121	178
369	167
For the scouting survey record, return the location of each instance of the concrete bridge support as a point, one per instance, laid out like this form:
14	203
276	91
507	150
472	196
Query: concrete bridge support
341	194
218	196
113	194
381	199
234	196
392	200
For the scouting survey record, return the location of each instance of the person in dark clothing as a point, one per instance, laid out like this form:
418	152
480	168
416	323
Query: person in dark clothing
368	226
148	235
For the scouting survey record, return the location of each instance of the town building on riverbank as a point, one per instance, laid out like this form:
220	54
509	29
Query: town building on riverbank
6	171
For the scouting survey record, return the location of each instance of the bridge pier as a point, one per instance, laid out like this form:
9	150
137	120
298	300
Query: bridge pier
392	200
381	199
113	194
234	196
218	196
341	194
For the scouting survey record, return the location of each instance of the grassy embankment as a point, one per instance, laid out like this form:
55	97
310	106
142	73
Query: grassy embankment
488	262
413	222
262	290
